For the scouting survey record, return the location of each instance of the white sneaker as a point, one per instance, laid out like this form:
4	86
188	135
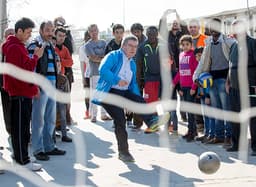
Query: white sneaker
33	166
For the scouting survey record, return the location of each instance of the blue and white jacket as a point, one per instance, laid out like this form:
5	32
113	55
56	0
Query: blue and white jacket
108	71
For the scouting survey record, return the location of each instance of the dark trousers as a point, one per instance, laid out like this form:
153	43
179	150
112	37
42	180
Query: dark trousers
198	117
87	99
191	117
69	74
235	104
20	125
119	119
6	104
137	120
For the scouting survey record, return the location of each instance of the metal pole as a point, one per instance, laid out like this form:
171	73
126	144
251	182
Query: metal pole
124	13
3	17
250	18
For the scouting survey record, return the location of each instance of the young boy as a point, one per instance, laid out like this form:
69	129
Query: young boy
187	66
204	82
115	43
63	85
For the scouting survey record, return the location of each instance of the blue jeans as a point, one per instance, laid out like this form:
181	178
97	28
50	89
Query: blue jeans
209	127
219	99
43	123
62	110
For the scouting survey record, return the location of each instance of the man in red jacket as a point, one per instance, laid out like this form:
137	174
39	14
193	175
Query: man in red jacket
21	93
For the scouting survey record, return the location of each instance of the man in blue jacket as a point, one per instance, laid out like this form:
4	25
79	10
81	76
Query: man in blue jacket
118	76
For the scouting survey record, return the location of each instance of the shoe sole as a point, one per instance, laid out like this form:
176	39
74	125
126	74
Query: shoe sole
163	120
126	160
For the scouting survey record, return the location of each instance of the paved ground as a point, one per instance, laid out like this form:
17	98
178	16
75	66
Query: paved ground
162	159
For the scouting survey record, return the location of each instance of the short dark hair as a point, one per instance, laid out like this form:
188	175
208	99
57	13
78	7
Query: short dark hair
151	28
117	26
60	29
24	23
136	26
198	50
186	38
45	23
215	24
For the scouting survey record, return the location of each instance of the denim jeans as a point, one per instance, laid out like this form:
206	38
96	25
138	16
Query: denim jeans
62	109
219	99
43	123
209	127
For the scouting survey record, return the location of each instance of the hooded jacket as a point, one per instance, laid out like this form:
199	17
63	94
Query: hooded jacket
108	70
15	53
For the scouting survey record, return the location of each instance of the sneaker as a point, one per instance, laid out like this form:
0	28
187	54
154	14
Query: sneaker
1	171
33	166
66	139
41	156
186	135
215	141
126	157
161	121
201	138
56	151
149	130
207	139
190	138
93	120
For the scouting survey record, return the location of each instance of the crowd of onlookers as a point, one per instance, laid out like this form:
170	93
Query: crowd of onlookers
203	67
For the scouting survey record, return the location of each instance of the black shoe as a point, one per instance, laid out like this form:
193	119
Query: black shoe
185	136
215	141
201	138
253	153
42	156
66	139
126	157
207	139
190	138
232	149
56	151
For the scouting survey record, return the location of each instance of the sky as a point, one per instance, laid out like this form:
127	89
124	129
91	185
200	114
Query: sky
81	13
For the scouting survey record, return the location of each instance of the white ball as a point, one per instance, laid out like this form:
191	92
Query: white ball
209	162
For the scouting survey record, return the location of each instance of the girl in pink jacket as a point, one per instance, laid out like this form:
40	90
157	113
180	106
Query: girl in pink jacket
187	66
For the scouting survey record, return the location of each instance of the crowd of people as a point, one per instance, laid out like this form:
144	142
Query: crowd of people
203	67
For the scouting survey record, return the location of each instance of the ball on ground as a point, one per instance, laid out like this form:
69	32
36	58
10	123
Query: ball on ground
209	162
